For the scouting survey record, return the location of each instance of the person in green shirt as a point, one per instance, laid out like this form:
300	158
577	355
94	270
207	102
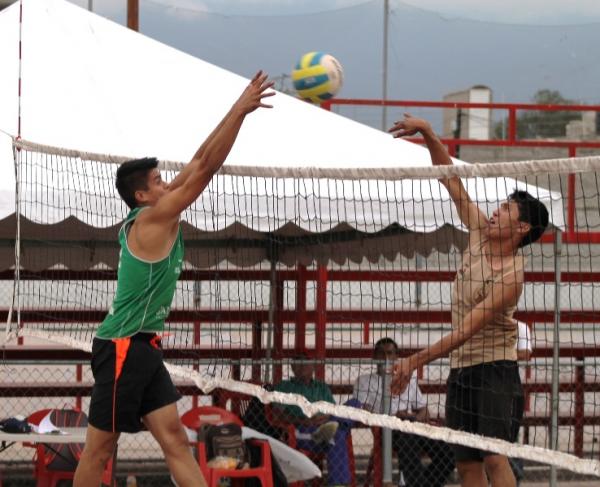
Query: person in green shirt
131	383
320	433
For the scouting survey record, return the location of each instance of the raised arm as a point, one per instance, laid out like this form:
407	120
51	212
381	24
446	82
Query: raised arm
209	158
502	295
470	215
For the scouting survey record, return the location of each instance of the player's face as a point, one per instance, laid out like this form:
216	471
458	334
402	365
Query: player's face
505	222
157	188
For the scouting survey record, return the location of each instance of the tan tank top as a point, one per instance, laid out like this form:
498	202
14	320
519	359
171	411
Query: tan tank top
473	282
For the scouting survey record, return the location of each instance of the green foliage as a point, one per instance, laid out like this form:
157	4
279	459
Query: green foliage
538	124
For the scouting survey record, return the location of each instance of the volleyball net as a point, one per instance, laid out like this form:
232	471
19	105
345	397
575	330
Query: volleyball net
320	264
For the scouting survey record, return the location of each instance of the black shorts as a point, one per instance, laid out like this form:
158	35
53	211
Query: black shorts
130	381
481	399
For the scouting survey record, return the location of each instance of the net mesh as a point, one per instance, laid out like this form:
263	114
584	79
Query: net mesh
281	261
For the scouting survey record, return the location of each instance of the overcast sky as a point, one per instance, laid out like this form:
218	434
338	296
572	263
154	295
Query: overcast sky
435	46
532	12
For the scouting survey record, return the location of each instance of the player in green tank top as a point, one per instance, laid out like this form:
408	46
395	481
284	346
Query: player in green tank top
131	383
145	288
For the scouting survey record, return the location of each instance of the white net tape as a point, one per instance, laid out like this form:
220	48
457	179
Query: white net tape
497	169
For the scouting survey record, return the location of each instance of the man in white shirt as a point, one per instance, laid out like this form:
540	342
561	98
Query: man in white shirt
410	404
524	338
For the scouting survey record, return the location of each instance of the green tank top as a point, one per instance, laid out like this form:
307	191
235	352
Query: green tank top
144	289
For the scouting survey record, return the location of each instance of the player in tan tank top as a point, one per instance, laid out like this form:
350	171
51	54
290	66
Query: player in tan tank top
484	378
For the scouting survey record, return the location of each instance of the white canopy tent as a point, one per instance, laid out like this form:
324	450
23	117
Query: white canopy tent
93	85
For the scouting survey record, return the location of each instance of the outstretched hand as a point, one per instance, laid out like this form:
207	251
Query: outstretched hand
401	375
255	92
409	126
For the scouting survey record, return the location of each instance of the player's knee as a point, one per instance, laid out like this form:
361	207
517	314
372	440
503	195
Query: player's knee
495	463
98	454
174	438
469	469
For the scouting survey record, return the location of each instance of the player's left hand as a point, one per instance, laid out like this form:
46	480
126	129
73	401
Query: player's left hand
409	126
402	373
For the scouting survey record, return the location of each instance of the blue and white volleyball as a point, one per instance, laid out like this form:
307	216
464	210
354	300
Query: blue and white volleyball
317	77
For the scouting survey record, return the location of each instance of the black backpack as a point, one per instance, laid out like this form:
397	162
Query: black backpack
256	418
225	440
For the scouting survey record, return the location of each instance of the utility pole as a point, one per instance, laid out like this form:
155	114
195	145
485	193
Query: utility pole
384	94
457	131
91	5
133	14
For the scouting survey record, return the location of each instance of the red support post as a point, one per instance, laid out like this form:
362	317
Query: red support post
571	190
512	124
321	320
366	332
196	334
133	14
196	367
256	351
78	378
278	330
579	408
300	331
527	403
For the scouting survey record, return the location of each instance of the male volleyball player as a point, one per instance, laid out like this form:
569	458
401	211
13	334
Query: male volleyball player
132	384
484	378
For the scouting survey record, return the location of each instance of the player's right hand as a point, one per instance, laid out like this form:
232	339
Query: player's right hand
255	92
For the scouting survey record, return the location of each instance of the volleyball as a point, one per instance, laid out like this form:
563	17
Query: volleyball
317	77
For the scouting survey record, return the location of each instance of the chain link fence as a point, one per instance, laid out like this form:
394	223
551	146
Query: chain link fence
349	454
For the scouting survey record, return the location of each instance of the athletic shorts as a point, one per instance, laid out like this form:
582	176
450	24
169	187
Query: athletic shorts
481	399
130	381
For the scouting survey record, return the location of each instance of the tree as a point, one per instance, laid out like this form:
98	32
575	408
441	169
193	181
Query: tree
534	124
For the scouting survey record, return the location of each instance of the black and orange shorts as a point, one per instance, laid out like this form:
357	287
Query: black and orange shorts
130	381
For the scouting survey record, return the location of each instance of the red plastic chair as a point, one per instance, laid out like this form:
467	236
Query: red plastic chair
374	469
317	458
56	462
196	417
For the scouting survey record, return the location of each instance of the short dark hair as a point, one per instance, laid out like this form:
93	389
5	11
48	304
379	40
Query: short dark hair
532	211
382	342
132	176
301	355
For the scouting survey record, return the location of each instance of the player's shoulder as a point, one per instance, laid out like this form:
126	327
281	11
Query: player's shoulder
477	236
152	216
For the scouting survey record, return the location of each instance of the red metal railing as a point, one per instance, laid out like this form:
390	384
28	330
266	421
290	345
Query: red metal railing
571	235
